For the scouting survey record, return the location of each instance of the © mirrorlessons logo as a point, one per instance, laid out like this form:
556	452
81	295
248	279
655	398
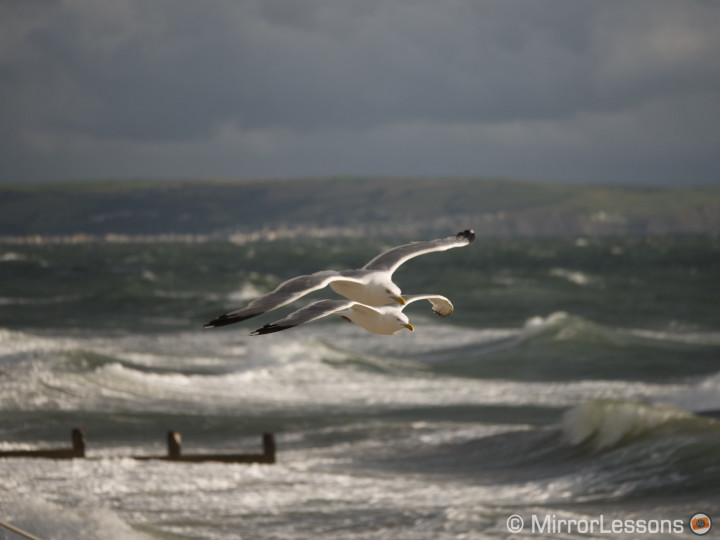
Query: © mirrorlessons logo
700	524
515	524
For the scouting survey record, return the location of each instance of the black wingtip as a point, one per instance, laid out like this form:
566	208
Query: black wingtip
467	233
269	329
224	320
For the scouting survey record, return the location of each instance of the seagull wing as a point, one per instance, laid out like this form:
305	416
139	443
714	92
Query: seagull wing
311	312
392	258
285	293
440	305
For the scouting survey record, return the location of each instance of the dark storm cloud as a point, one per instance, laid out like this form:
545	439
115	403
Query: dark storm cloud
550	89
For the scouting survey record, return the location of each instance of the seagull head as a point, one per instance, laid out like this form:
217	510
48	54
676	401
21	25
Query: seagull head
393	293
404	322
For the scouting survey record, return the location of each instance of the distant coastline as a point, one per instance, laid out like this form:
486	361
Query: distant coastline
248	210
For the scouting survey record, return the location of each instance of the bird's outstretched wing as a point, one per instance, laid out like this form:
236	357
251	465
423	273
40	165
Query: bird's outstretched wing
392	258
285	293
311	312
440	305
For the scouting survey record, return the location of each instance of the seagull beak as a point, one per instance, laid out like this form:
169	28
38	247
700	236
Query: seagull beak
399	300
409	327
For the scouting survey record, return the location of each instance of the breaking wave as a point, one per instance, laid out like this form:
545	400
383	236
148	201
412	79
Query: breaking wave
604	424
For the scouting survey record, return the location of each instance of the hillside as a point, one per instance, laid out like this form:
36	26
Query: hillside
220	208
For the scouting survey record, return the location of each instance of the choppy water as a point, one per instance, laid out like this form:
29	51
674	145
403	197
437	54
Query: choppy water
567	383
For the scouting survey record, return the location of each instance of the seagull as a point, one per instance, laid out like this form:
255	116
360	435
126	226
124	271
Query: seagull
386	320
370	285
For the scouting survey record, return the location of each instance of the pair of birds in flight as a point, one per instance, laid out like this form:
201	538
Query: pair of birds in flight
372	300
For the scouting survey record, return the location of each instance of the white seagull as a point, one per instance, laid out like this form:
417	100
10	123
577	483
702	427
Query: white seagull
386	320
371	285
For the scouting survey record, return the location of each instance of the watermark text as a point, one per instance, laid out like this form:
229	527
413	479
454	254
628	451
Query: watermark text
550	524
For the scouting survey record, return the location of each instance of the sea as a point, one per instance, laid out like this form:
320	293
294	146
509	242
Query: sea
573	393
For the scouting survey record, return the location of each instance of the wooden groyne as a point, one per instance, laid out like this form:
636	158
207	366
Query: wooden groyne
77	450
174	451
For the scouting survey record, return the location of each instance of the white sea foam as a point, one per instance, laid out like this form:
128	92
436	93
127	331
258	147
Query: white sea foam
14	343
701	395
15	257
38	301
11	256
236	501
210	372
247	292
538	323
148	275
574	276
45	519
689	337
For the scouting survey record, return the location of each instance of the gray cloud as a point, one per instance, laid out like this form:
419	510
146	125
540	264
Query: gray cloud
556	89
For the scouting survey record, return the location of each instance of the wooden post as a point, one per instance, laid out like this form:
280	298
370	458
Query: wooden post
174	440
269	447
17	531
78	443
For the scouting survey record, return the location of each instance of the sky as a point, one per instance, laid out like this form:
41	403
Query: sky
586	91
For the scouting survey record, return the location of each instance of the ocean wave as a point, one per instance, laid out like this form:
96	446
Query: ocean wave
575	276
689	337
32	512
11	256
326	366
245	293
305	387
38	301
16	343
563	326
560	346
605	424
701	396
186	295
432	341
15	257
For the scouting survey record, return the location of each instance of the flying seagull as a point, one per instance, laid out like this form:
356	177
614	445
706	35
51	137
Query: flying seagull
371	285
386	320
